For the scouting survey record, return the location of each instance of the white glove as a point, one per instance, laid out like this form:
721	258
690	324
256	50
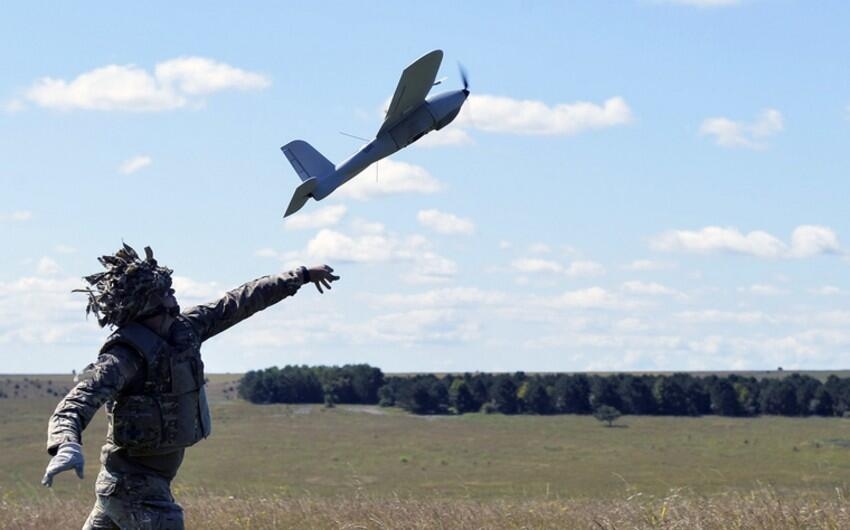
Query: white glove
69	456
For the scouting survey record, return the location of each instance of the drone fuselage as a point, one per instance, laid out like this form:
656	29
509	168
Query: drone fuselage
411	115
433	114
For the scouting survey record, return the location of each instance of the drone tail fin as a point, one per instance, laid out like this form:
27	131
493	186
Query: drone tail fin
302	193
306	160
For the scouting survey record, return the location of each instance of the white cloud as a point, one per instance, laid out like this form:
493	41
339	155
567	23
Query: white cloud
336	246
17	216
762	289
323	217
505	245
448	136
648	265
575	269
393	178
539	248
47	267
448	297
445	223
728	133
715	316
649	289
134	164
423	325
41	310
592	298
531	265
173	85
199	75
584	268
431	268
189	291
506	115
377	247
806	241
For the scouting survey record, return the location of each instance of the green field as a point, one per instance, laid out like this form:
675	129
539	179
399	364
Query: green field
310	455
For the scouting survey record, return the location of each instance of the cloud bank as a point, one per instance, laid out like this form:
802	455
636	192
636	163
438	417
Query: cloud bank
506	115
806	241
752	135
174	84
390	178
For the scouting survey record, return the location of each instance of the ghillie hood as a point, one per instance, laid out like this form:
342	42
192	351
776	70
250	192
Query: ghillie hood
129	289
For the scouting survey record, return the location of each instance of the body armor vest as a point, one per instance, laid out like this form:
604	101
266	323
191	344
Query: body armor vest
169	410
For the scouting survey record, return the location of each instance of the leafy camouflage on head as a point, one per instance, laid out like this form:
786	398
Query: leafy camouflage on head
129	289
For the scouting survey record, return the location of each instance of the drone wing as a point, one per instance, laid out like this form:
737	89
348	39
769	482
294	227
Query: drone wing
415	83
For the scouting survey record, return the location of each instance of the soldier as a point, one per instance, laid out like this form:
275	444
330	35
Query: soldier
150	376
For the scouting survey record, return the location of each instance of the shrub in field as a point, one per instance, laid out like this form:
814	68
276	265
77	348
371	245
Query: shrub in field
607	414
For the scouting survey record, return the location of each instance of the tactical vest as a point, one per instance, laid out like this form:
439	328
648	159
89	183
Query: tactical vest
169	410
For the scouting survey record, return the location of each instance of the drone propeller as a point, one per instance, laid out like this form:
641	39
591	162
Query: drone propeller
464	77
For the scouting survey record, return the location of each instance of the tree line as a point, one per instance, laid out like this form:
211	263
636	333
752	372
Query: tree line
679	394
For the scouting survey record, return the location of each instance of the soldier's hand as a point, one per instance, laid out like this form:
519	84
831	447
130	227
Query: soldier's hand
321	275
69	456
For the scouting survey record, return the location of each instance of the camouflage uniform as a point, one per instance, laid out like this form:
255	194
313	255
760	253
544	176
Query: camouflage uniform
133	486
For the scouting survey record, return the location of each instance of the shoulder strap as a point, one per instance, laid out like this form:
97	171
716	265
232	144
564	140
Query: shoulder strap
140	339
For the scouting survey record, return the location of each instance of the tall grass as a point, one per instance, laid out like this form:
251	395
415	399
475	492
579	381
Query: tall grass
759	509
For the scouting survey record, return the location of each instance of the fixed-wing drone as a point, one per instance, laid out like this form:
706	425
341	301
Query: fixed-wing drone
410	116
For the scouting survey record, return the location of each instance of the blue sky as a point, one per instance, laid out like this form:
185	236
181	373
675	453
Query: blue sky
633	185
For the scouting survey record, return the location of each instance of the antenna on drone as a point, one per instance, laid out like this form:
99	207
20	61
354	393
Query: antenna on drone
365	140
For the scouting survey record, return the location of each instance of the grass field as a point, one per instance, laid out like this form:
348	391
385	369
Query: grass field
307	466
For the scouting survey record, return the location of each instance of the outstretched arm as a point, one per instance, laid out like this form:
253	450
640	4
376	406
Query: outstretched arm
240	303
102	381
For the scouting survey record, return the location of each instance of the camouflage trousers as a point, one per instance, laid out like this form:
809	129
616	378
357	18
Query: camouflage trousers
134	501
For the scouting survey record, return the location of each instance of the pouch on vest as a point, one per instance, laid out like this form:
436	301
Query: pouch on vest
137	422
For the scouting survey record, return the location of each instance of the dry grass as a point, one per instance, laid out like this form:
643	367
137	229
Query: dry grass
759	509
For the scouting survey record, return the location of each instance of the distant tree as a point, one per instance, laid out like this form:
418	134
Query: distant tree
365	381
424	395
460	397
420	400
724	399
536	400
603	391
606	414
779	397
571	394
387	394
670	396
505	396
839	392
805	389
821	403
748	391
479	388
636	395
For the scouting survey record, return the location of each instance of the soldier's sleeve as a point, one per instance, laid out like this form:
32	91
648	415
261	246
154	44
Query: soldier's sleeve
242	302
101	381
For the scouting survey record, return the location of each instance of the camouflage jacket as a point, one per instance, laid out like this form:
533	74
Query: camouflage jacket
119	369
